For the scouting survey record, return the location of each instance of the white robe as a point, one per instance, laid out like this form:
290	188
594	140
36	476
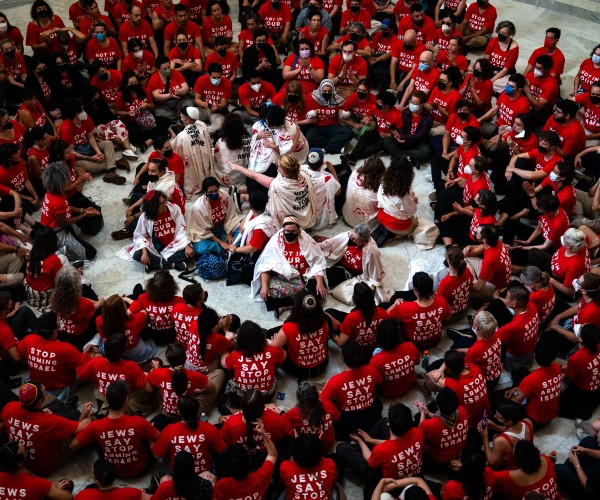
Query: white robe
361	203
200	223
400	208
291	197
194	145
263	222
262	156
272	259
168	185
325	186
373	272
224	157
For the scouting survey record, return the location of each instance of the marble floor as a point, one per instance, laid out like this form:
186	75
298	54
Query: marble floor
109	274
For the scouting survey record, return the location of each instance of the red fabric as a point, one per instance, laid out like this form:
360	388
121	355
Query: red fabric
141	67
121	10
477	20
443	444
258	239
274	21
447	101
558	59
502	58
257	372
79	321
254	486
125	493
591	118
362	17
184	316
353	259
390	222
380	44
155	83
133	327
14	35
255	99
328	5
472	393
7	340
588	74
161	378
473	187
317	40
442	40
456	290
144	31
164	228
496	267
407	58
443	61
541	163
397	368
572	136
203	443
111	88
544	301
35	30
52	206
566	269
588	313
123	441
324	431
14	177
191	29
554	227
86	25
520	335
508	109
211	93
41	155
524	144
229	63
352	389
21	485
195	8
425	32
512	491
246	38
326	115
401	457
45	280
306	350
210	29
306	81
425	80
166	16
234	430
51	362
39	119
316	482
454	125
109	55
543	88
41	433
422	325
16	66
102	372
75	135
295	257
484	91
387	121
542	389
159	315
355	327
216	344
582	368
486	354
453	490
358	67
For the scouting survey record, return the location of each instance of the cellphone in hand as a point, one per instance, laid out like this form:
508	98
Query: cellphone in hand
484	419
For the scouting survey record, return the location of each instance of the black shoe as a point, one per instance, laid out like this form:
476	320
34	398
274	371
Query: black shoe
346	160
14	383
154	483
222	407
415	163
143	147
180	266
454	334
72	401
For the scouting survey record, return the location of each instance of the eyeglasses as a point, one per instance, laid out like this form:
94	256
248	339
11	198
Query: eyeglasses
446	24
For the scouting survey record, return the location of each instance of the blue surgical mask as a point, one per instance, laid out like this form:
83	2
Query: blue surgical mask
576	285
413	107
508	90
423	66
213	196
596	59
215	81
553	177
100	37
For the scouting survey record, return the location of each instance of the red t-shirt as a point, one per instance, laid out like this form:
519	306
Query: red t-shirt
306	350
159	315
14	67
86	26
566	269
121	10
401	457
544	301
53	206
191	29
484	90
40	120
425	80
256	372
161	378
456	290
447	101
35	30
14	177
360	108
164	228
588	313
558	59
509	109
512	491
520	335
123	441
109	55
79	321
48	271
554	227
155	83
443	61
7	340
51	362
102	372
472	393
496	267
453	490
306	81
543	88
249	97
41	433
324	430
362	17
407	58
109	89
326	115
353	389
212	94
358	67
215	344
572	136
234	429
210	29
500	58
425	32
542	389
472	187
443	444
355	327
21	485
486	354
442	40
379	44
144	31
203	443
316	482
229	63
112	494
387	121
422	325
591	117
183	317
454	125
76	135
254	486
133	327
397	368
295	257
477	20
588	74
523	144
274	20
141	67
582	368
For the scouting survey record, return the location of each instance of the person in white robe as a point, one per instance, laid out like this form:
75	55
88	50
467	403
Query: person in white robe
232	147
256	228
327	187
360	206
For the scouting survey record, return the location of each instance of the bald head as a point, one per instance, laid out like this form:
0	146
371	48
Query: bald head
410	37
426	57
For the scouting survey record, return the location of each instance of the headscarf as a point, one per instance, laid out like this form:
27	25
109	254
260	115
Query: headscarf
335	100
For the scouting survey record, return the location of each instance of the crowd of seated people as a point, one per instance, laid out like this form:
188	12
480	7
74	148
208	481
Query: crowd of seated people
248	136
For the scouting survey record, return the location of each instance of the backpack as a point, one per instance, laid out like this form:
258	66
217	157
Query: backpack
211	266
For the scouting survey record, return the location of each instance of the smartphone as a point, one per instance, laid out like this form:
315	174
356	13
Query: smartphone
484	419
81	263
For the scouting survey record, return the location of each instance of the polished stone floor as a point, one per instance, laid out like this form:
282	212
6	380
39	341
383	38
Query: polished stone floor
402	258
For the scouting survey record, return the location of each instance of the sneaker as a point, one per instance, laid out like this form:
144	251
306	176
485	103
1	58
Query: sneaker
580	434
345	159
126	200
123	164
113	178
237	200
121	234
454	334
433	196
584	427
232	190
129	154
180	266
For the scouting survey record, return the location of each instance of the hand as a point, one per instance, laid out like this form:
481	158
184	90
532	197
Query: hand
364	436
447	156
367	120
467	250
63	484
229	238
128	220
131	113
554	322
511	393
189	251
457	206
145	258
450	175
22	253
322	291
86	410
520	243
260	427
573	458
97	158
3	278
264	293
213	108
355	438
17	213
225	322
305	63
87	177
445	217
482	430
271	144
90	212
578	162
155	364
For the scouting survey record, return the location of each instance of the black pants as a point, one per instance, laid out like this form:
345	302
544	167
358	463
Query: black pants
457	228
23	322
370	143
350	421
158	261
337	275
577	403
138	135
439	166
252	185
445	198
566	474
88	225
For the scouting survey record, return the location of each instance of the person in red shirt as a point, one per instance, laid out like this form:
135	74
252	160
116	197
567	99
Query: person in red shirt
253	94
129	454
447	29
541	90
550	49
277	20
477	87
397	450
137	27
511	103
40	432
14	69
121	12
107	81
216	24
202	439
354	14
451	56
423	318
9	354
569	262
358	105
566	124
502	52
305	67
185	482
185	314
382	46
589	72
169	100
541	293
103	48
423	25
139	61
42	19
182	24
105	474
478	24
445	434
396	360
91	15
212	95
443	98
475	479
185	58
347	69
455	287
226	58
405	55
590	102
423	78
353	392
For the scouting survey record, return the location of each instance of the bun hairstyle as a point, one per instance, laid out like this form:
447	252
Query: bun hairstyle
531	276
253	407
175	355
456	259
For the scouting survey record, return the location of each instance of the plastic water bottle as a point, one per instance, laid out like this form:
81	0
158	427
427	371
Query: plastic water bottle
425	360
553	457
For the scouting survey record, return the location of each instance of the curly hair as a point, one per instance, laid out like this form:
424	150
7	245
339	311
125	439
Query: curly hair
161	287
55	178
233	131
398	178
372	171
151	206
67	292
289	164
114	316
251	339
309	404
307	312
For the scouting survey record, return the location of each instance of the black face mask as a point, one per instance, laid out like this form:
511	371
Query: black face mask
355	37
351	243
378	106
386	34
543	149
222	52
61	67
262	46
327	95
9	53
183	45
441	85
560	119
168	153
42	72
8	126
463	115
290	236
43	14
477	73
408	46
354	9
103	77
137	88
293	98
474	204
419	23
275	5
152	178
502	37
362	95
594	99
482	4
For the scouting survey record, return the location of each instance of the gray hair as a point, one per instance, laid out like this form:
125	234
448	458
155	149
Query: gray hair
574	239
532	276
363	31
363	231
56	177
508	25
67	292
486	323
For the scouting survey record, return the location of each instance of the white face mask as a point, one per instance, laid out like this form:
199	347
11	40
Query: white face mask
304	53
255	87
413	107
577	330
3	26
459	140
537	73
446	29
520	135
576	285
467	170
348	57
139	54
82	116
511	310
553	178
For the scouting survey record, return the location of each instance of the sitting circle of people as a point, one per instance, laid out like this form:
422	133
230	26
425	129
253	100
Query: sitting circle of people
281	158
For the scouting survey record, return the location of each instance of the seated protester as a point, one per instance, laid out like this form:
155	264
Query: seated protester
541	90
173	383
397	449
240	480
14	478
588	73
355	13
193	34
64	78
48	431
405	55
12	32
444	433
590	104
540	292
412	314
305	332
38	157
326	12
309	473
106	81
357	107
511	428
9	354
357	34
474	479
478	24
116	319
262	55
160	239
132	460
412	139
423	78
163	150
565	123
36	348
213	220
396	202
277	20
569	262
311	416
32	114
233	146
579	479
581	396
477	87
14	70
122	10
455	287
377	123
360	206
101	47
550	48
443	98
105	474
396	359
185	57
250	348
158	299
358	409
226	58
502	51
169	90
190	434
139	60
295	106
451	56
418	21
185	482
255	229
443	146
186	313
326	185
253	94
89	15
383	45
466	380
305	67
212	95
327	133
355	253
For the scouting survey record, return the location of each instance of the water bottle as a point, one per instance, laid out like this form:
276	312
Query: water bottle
425	360
553	457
